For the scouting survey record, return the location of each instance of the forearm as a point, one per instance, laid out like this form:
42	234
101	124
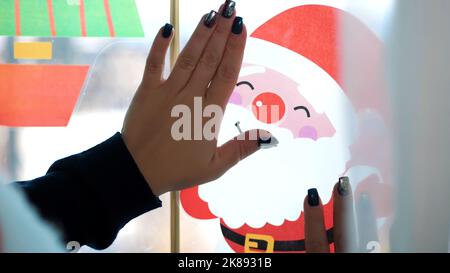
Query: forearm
90	196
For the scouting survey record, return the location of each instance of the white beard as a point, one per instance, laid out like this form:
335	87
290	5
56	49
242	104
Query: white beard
270	185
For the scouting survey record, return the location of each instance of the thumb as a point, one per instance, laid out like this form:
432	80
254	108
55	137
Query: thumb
235	150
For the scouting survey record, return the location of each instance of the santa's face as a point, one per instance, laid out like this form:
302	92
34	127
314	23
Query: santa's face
269	188
275	99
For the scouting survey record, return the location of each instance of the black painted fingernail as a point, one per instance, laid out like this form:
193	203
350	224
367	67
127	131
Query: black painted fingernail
210	19
313	197
264	141
238	25
343	186
228	9
167	30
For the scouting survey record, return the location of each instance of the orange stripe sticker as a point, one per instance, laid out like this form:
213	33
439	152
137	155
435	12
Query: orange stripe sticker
33	50
39	95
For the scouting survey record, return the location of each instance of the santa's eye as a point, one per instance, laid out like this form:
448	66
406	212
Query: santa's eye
246	83
304	109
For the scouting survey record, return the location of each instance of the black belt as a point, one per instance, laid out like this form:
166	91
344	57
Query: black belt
265	242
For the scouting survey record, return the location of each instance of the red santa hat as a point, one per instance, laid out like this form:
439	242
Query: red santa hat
337	42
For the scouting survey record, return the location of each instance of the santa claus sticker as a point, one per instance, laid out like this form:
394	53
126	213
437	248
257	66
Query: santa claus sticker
292	70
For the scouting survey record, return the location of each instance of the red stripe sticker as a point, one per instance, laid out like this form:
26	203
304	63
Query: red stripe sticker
82	19
51	17
109	18
17	16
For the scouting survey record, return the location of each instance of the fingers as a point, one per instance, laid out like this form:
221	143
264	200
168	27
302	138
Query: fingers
227	73
190	55
315	233
237	149
154	67
212	55
344	230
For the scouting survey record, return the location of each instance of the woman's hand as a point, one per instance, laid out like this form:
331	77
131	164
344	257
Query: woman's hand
345	237
207	69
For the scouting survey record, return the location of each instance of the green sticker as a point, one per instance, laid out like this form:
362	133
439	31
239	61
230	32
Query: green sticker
34	18
7	21
125	18
95	16
67	19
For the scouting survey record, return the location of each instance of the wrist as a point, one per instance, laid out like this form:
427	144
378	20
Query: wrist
142	165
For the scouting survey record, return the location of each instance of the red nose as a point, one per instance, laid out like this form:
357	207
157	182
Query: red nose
268	107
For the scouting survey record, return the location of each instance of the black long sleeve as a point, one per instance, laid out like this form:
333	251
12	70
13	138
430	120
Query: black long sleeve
90	196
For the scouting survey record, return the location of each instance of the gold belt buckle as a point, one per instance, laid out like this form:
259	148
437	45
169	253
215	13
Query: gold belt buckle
251	242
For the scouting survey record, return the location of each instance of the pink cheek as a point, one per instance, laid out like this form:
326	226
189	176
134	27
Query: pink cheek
235	99
308	132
